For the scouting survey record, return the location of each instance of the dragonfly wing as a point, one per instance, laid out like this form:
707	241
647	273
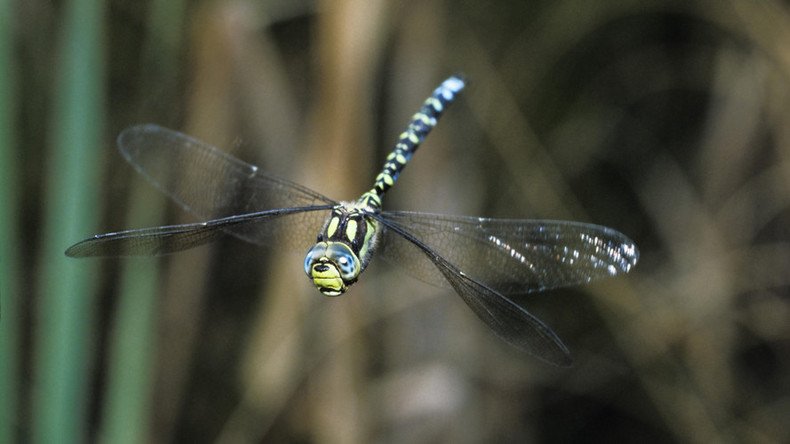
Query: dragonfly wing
210	183
512	256
174	238
507	319
145	241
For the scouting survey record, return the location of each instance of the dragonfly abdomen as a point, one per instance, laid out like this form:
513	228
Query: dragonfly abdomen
421	124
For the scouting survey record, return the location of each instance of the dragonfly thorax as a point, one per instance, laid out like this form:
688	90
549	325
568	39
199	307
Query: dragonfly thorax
343	247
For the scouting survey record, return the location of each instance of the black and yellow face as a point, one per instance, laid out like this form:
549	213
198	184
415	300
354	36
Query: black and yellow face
343	248
332	266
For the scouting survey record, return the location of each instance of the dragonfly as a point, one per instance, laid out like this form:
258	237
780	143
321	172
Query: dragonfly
487	262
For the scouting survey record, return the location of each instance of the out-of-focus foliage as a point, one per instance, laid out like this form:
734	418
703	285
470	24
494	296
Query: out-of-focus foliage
669	121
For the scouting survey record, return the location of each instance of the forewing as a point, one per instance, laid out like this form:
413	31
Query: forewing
213	184
508	255
174	238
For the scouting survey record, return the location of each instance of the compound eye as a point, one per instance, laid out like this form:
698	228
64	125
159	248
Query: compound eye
313	255
345	259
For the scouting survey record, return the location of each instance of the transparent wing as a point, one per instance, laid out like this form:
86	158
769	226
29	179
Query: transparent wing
510	256
174	238
212	184
508	320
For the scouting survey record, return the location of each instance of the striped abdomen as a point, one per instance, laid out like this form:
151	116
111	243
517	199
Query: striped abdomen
421	124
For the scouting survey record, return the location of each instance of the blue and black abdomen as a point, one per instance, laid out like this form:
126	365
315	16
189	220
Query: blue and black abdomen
421	124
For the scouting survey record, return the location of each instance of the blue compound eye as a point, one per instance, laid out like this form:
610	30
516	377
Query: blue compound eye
313	255
345	259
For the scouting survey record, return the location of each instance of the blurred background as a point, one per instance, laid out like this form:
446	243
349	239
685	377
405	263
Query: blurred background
668	121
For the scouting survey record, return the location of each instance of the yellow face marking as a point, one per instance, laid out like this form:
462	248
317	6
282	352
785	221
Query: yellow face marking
328	281
332	227
330	286
327	292
351	230
330	273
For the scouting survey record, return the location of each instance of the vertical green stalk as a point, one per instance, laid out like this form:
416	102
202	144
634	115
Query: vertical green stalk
63	342
9	233
127	411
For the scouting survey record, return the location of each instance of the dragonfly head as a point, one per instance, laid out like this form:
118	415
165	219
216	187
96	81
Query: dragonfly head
332	266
